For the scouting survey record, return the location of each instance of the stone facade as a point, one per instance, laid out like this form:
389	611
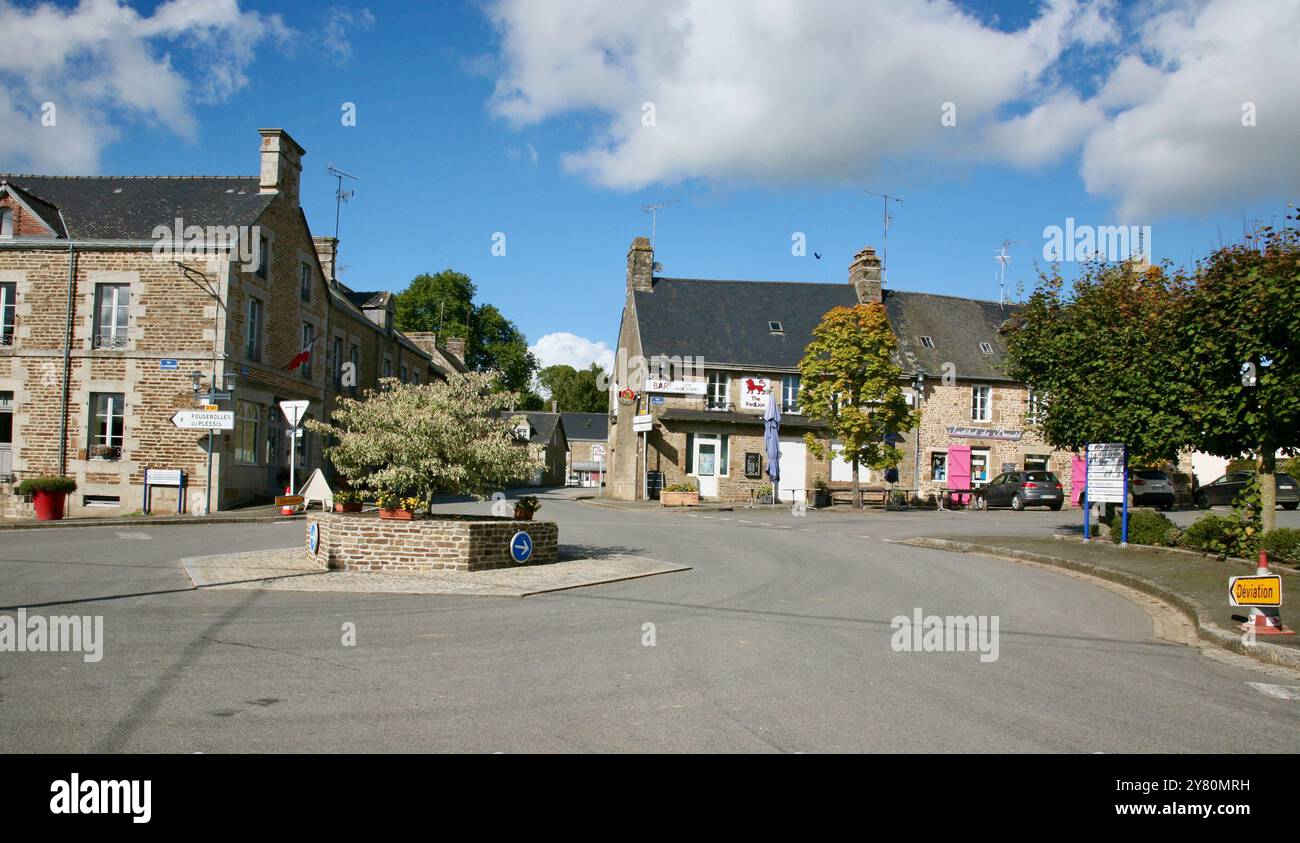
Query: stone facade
174	327
364	542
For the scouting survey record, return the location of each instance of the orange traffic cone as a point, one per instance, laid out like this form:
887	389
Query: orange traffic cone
287	509
1265	620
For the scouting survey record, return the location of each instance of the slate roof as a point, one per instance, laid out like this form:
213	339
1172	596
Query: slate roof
585	426
129	207
47	212
544	425
367	299
726	323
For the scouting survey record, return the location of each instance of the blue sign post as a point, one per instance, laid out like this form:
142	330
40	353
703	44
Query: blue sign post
521	547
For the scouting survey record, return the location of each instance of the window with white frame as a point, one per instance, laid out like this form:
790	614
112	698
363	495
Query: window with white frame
273	452
263	256
308	335
8	311
981	403
253	345
304	281
939	466
6	223
112	305
790	394
248	419
107	425
717	391
979	467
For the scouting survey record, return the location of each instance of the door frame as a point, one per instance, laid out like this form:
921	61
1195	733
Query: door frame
714	441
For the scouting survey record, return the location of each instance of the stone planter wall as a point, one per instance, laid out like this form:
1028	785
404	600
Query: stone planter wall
363	542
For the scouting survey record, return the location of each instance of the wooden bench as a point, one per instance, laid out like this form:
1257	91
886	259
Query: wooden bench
842	492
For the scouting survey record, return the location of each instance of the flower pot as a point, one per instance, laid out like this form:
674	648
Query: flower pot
522	514
396	514
821	498
347	507
49	505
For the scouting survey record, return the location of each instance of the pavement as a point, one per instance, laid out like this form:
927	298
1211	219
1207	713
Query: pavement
779	639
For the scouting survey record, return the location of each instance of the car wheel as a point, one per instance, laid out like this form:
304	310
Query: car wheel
1202	502
1291	505
1016	503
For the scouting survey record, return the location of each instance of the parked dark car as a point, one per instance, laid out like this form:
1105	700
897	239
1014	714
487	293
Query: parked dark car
1224	490
1152	488
1019	489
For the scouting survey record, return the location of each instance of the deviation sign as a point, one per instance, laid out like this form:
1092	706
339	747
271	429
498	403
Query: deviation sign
1255	591
204	420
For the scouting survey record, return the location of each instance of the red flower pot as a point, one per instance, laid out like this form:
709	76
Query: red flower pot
347	507
396	514
522	514
49	505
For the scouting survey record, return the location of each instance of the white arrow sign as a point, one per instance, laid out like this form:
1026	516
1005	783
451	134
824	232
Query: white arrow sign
294	411
204	420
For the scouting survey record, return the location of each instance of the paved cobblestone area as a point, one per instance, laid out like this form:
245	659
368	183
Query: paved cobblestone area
286	570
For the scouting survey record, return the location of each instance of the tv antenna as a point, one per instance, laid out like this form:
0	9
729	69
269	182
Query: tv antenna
884	254
1003	257
653	211
340	196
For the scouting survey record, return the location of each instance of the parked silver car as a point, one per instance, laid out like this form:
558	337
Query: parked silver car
1151	488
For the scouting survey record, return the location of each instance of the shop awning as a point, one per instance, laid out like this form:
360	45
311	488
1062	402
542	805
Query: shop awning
755	420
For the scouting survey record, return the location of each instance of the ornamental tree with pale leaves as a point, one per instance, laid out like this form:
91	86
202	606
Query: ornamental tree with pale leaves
419	440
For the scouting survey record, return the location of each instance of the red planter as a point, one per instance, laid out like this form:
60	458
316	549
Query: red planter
522	514
396	514
49	505
347	507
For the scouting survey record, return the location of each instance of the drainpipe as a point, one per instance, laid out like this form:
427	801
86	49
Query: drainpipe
67	361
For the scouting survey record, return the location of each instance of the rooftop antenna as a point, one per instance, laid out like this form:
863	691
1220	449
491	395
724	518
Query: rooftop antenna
1003	257
340	196
884	255
653	211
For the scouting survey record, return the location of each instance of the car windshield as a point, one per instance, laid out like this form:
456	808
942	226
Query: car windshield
1040	477
1153	475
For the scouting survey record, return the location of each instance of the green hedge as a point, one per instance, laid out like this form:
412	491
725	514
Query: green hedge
1212	534
1144	527
1283	545
47	483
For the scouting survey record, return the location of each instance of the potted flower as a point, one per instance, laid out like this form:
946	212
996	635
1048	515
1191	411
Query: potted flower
765	493
393	507
821	493
679	494
525	507
48	493
105	452
347	501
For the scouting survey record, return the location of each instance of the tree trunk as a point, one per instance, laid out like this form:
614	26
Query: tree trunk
1268	487
857	490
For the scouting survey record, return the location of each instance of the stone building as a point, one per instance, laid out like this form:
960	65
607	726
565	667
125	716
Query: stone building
119	294
587	434
543	433
703	356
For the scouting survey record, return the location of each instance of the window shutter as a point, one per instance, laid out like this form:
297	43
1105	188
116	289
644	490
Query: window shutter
723	456
690	453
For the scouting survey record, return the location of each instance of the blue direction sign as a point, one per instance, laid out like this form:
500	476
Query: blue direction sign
169	364
521	547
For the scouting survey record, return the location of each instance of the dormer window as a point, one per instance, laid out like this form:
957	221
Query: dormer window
927	342
987	348
775	327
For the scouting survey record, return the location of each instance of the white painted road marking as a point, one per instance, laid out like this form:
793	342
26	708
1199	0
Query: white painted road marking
1281	692
144	537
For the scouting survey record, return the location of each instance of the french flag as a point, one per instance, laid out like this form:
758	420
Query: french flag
302	356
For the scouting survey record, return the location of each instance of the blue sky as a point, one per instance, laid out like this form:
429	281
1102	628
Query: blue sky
471	122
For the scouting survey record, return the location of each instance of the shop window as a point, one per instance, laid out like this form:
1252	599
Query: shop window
939	466
247	421
1035	462
979	467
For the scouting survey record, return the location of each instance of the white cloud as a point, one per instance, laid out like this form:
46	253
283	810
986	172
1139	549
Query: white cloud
780	92
340	22
102	63
572	350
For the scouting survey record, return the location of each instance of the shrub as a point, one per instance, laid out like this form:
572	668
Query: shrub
1282	544
680	487
1211	533
1143	527
47	483
1241	464
346	496
1174	537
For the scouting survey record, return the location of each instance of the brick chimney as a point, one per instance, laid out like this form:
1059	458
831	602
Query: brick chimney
281	163
456	347
864	275
640	265
327	249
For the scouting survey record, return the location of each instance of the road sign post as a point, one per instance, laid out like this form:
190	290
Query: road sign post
1107	482
1263	594
293	413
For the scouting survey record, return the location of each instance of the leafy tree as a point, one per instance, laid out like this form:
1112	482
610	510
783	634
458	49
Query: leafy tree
575	391
419	440
1104	359
444	303
850	382
1240	355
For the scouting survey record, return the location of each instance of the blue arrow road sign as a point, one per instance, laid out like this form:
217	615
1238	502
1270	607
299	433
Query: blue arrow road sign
521	547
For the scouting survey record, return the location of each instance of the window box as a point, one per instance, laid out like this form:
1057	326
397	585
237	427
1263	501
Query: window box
667	498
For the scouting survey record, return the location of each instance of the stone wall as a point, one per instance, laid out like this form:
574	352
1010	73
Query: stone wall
364	542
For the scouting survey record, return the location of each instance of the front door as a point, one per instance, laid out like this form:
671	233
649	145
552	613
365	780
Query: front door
794	461
706	468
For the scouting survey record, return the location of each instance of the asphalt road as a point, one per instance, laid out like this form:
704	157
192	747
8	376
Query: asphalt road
777	641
